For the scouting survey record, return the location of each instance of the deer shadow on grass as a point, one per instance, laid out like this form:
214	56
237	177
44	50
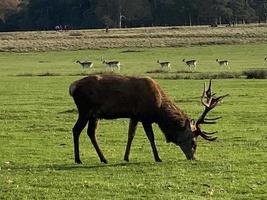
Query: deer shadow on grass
97	166
149	164
70	166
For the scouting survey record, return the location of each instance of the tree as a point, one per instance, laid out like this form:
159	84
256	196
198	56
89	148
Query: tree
137	12
260	7
214	11
108	11
7	7
46	14
242	11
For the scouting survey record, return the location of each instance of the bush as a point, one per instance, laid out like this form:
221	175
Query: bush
221	75
157	71
197	75
256	73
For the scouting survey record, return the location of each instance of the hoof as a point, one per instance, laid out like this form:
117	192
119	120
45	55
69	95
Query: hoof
78	162
104	161
126	159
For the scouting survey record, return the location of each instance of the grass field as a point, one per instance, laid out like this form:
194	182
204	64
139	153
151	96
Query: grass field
135	61
37	115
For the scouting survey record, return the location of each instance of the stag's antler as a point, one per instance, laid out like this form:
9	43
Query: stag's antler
209	101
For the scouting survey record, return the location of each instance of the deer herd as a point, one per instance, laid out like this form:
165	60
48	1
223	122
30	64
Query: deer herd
114	64
190	64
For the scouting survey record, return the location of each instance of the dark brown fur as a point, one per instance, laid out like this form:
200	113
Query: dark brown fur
140	99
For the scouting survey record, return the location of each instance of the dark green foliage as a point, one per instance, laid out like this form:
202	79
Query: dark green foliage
46	14
256	74
249	74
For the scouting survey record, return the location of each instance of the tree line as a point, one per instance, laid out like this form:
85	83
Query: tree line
77	14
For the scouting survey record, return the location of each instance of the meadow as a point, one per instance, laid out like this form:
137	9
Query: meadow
37	115
132	37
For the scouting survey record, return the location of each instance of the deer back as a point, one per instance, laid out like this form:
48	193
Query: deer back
109	96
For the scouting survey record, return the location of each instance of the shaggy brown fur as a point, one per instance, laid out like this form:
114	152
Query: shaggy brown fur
140	99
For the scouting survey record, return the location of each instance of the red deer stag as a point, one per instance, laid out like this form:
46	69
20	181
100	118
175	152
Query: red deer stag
113	96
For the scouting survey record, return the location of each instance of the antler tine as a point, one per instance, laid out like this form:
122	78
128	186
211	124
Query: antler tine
209	133
215	101
208	92
207	137
203	96
215	118
211	120
207	122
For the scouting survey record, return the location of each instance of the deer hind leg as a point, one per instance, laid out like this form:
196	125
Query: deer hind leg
92	125
150	136
77	129
131	134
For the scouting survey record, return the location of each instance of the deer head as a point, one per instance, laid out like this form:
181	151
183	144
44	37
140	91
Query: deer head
209	101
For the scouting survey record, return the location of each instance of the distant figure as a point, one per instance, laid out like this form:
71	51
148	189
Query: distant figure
66	27
112	64
85	64
223	63
214	25
265	59
58	28
107	29
192	64
166	65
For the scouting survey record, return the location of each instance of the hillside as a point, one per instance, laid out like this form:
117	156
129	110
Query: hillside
129	38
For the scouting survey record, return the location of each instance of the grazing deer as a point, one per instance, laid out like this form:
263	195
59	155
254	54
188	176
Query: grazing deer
223	63
85	64
190	63
141	100
163	65
112	64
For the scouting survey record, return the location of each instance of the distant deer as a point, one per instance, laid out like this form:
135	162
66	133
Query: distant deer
190	63
85	64
164	65
111	64
141	100
223	63
265	59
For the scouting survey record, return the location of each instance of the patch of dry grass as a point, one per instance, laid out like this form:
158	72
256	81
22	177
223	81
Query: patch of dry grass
132	37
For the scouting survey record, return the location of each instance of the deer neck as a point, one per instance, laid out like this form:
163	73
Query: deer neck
172	122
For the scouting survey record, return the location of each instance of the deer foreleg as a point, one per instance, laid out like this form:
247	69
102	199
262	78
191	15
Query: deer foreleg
131	134
77	129
91	133
150	136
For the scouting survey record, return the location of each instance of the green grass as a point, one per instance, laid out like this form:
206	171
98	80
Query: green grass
135	61
37	115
